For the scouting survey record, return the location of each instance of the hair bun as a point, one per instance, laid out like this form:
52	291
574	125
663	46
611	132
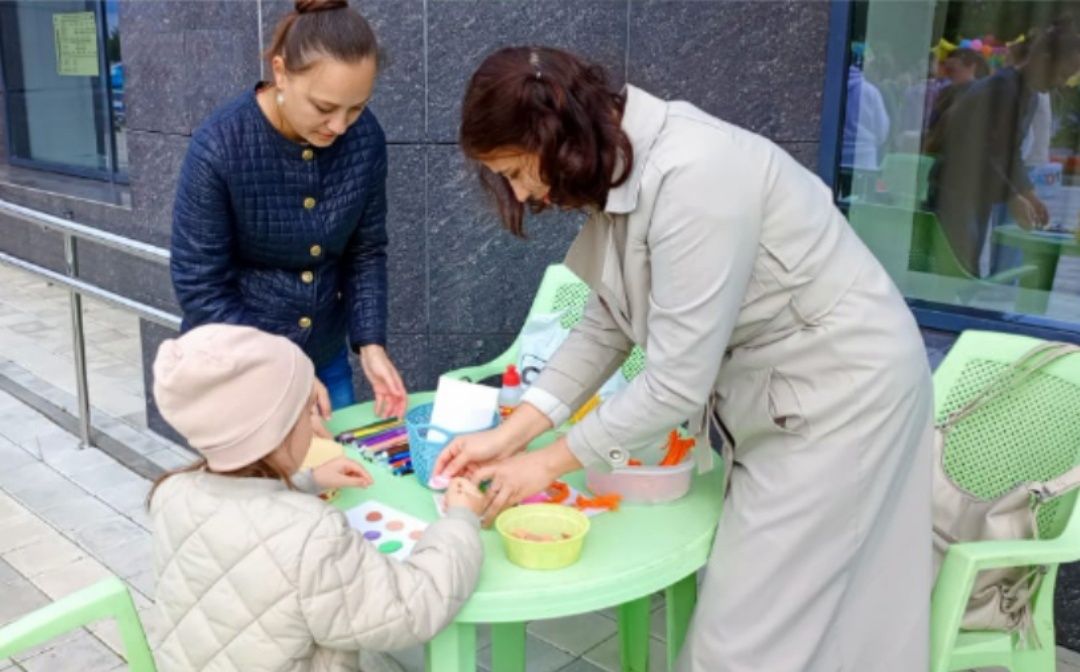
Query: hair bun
312	6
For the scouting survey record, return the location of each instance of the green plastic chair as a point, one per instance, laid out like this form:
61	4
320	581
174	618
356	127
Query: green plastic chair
916	237
931	252
108	598
1029	434
560	290
907	178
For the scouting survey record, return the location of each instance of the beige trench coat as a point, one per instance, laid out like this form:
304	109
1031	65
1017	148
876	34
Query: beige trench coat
759	308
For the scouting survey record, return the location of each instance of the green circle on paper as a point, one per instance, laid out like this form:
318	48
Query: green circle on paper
390	547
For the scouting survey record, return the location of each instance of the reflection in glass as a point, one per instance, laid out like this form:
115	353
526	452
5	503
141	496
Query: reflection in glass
971	197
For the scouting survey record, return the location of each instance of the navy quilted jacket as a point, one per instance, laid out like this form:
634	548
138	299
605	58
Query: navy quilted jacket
286	238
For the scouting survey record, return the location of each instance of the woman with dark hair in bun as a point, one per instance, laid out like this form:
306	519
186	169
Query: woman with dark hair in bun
280	213
762	314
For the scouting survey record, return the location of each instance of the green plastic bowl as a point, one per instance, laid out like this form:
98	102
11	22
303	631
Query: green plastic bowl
543	519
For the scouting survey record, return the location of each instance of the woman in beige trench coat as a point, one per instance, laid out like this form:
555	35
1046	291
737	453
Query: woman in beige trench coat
761	312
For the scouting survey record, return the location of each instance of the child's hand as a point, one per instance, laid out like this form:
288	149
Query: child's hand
341	472
472	450
463	493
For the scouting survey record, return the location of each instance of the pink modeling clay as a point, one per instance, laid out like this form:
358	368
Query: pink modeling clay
439	482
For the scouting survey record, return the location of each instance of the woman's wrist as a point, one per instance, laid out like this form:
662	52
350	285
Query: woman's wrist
558	460
508	440
522	426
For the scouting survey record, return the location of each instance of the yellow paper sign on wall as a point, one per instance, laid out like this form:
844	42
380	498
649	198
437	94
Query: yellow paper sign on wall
76	44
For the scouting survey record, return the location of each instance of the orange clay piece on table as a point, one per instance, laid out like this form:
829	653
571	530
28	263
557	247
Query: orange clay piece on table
677	449
526	535
609	502
633	462
679	455
558	492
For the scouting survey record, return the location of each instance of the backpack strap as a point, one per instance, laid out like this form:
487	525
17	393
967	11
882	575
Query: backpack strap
1058	486
1013	377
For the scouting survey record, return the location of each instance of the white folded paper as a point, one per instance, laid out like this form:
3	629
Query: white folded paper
462	407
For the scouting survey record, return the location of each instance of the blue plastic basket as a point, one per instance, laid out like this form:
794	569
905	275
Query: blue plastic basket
423	450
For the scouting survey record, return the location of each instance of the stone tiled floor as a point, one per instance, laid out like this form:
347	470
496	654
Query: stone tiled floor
68	517
35	333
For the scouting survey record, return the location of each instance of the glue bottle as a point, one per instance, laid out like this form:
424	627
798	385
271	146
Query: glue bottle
510	392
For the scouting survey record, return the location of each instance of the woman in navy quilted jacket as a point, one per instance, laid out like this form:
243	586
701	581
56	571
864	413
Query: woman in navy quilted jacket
280	214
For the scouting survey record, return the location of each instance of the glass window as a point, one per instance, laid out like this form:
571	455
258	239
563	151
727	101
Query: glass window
960	157
64	86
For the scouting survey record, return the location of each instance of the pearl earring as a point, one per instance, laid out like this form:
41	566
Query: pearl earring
280	98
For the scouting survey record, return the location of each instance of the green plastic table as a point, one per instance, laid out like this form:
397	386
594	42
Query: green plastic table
1042	250
629	555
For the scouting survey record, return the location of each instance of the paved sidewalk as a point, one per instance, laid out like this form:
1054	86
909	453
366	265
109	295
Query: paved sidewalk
35	333
36	361
68	517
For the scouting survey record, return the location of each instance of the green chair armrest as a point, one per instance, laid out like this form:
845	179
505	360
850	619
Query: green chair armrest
105	599
952	590
1011	274
982	555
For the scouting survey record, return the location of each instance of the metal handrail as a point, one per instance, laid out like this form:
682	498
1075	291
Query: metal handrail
84	232
72	233
142	310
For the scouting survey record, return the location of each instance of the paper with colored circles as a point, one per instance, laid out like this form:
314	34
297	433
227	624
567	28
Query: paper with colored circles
392	532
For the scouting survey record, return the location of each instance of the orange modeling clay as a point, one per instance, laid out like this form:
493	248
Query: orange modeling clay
521	533
609	502
558	492
632	462
677	449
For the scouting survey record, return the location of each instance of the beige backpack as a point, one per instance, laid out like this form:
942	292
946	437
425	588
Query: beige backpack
1000	598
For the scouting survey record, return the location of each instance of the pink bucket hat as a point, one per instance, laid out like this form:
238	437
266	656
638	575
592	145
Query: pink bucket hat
233	392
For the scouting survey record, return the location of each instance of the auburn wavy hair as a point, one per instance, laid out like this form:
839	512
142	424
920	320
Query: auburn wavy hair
554	104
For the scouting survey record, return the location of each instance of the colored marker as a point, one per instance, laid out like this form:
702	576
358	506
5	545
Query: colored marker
388	447
383	436
369	429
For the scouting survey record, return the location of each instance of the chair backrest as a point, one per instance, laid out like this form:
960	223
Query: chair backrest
886	231
907	178
931	251
906	240
562	291
1030	434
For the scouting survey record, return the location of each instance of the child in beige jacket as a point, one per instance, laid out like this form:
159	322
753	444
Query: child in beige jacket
256	573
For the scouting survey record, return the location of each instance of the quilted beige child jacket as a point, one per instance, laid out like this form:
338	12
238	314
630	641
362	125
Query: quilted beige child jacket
252	577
